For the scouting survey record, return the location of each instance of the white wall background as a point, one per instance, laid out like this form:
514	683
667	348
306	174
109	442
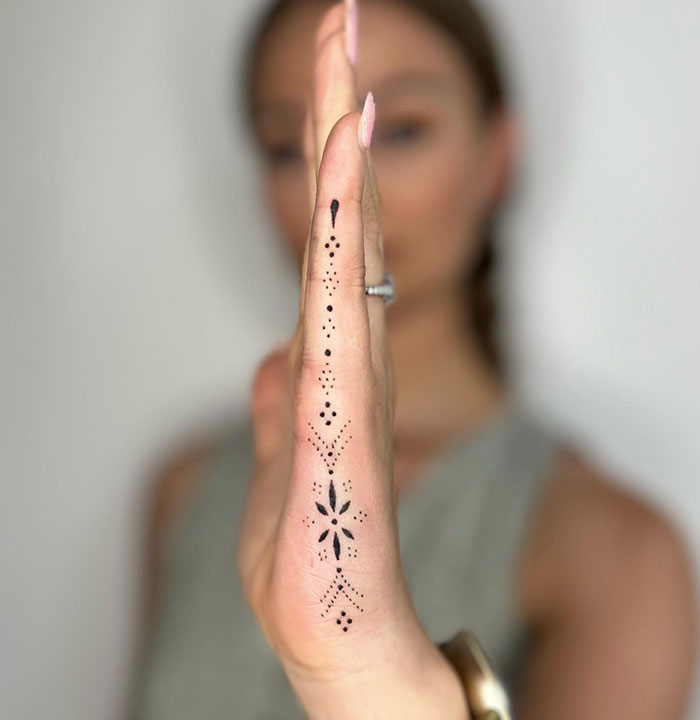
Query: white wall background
139	283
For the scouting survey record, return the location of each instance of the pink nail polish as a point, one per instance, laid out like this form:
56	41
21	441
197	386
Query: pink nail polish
351	30
366	125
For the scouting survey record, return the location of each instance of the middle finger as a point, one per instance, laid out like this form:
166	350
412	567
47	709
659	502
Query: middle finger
333	95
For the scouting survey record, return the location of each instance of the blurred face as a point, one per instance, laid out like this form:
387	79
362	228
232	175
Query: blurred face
439	162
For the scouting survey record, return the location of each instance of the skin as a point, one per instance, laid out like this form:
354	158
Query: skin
604	579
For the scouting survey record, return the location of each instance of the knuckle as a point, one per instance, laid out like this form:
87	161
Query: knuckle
315	275
355	197
322	203
351	275
355	275
309	367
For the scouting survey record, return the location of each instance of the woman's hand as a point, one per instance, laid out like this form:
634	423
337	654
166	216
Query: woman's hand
319	553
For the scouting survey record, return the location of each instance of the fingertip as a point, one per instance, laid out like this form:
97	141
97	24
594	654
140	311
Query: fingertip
332	22
344	129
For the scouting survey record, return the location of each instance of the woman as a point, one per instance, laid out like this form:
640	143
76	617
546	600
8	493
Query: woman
580	593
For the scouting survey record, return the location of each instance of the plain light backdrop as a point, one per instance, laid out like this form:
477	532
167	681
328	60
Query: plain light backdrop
141	283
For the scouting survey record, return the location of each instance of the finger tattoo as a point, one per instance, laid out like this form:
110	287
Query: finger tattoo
333	513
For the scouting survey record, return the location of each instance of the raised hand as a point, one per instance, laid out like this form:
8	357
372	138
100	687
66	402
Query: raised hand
319	553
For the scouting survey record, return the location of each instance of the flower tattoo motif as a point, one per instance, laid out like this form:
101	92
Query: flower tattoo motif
332	499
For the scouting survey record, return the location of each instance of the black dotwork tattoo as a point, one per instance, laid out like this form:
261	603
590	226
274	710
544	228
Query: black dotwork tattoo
332	516
335	205
344	617
332	500
340	585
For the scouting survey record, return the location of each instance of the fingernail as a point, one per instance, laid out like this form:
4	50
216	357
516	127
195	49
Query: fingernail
351	30
366	126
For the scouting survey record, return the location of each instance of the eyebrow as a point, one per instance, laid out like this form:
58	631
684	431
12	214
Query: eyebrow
410	81
396	85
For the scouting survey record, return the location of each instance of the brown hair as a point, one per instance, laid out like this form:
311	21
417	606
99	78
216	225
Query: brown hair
460	21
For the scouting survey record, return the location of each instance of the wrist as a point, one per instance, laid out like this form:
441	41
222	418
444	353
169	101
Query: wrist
406	679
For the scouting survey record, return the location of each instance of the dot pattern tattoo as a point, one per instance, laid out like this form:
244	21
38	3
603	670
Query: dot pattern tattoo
333	518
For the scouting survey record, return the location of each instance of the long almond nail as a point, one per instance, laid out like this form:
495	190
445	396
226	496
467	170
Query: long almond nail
351	30
366	125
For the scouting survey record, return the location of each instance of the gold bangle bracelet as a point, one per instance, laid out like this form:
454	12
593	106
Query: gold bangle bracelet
486	696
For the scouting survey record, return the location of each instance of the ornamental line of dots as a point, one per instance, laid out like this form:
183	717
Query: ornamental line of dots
329	453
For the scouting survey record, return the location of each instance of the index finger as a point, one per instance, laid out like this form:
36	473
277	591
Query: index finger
336	338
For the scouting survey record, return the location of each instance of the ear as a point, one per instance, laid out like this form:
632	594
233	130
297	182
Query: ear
502	151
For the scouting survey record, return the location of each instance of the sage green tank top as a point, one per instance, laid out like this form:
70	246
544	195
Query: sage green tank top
461	527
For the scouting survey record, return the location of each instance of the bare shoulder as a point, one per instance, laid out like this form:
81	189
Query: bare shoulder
609	561
591	533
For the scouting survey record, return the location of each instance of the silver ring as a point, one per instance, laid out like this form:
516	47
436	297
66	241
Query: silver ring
385	290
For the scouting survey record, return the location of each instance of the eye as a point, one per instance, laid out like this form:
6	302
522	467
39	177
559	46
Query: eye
399	133
284	155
